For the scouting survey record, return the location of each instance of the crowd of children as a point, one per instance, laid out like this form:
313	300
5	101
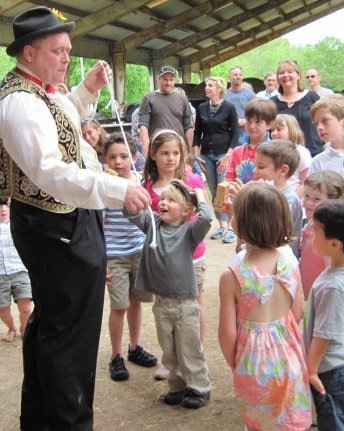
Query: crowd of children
287	211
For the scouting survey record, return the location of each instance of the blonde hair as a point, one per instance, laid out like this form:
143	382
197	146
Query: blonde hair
297	69
328	182
220	83
294	130
92	122
180	193
334	103
262	216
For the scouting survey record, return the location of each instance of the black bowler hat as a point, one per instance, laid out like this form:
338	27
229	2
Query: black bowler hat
34	23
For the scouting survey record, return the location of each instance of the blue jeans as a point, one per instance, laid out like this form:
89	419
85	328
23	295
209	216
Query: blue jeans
213	178
330	407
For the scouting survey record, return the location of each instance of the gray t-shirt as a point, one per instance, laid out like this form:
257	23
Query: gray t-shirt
326	316
240	100
165	111
168	270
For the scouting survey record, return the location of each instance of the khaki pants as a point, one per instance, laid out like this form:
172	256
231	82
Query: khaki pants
178	331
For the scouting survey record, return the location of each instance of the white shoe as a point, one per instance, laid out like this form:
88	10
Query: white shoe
161	373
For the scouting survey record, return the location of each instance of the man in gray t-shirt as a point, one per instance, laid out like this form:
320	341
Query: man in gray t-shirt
165	109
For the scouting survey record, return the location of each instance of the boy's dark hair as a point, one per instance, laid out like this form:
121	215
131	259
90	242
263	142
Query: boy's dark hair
281	152
330	214
117	138
262	109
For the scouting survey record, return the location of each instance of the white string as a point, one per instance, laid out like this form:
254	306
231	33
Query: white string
153	244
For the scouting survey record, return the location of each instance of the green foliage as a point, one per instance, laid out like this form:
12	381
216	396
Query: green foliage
327	56
6	63
76	66
137	83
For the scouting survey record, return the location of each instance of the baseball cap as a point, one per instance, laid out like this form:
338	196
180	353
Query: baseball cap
167	69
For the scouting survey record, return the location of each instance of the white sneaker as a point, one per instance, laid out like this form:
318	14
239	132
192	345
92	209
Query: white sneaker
161	373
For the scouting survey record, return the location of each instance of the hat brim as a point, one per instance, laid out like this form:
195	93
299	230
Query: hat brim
15	46
170	73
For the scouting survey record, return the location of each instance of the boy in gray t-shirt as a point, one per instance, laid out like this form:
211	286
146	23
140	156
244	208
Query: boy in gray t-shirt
324	333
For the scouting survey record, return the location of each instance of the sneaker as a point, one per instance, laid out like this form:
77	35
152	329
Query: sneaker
219	233
229	237
141	357
195	400
174	398
117	369
161	373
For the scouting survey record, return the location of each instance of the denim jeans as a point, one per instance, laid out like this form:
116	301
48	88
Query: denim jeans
213	178
330	407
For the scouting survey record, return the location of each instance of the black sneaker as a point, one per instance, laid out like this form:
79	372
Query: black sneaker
174	398
195	400
117	369
141	357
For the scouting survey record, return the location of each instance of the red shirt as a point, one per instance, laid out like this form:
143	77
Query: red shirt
242	163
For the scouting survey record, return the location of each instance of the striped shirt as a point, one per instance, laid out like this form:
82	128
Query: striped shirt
122	238
10	262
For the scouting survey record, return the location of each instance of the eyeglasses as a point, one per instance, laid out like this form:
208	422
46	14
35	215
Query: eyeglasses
310	76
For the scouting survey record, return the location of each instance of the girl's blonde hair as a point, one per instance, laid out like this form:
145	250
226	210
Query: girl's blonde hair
334	103
92	122
328	182
181	193
150	171
297	68
295	133
220	83
262	216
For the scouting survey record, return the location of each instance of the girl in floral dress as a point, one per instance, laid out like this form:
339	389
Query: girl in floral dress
260	307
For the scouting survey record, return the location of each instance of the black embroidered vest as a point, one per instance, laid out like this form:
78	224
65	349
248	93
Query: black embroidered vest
13	181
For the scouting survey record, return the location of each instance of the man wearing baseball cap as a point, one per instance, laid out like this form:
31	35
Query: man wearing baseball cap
165	109
56	185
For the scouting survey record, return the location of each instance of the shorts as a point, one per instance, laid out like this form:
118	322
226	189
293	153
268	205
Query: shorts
122	287
200	271
17	285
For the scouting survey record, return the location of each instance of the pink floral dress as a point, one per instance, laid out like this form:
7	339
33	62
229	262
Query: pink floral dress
270	378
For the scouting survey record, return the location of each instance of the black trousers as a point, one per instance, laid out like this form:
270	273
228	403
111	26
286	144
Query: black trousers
66	260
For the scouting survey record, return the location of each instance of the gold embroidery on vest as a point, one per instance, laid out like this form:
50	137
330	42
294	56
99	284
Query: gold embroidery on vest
13	181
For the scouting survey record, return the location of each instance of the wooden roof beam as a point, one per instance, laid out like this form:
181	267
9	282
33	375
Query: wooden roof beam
197	57
105	16
9	4
227	55
176	47
178	20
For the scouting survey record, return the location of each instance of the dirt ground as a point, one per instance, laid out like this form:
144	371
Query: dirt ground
134	404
